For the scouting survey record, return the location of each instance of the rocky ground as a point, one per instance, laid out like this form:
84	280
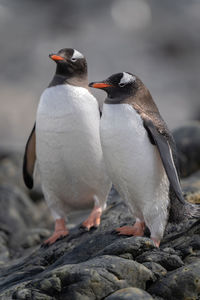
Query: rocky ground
98	264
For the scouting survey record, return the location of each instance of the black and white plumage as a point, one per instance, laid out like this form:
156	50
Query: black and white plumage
139	154
67	143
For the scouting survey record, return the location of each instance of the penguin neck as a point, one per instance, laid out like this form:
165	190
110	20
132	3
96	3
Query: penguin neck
113	100
142	101
58	79
117	99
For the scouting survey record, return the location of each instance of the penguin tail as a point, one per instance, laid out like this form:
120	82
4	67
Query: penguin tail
192	210
180	212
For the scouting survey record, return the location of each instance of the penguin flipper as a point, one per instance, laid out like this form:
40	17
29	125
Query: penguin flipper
29	159
166	156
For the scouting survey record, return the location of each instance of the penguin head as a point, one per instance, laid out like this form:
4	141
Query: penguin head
70	63
118	85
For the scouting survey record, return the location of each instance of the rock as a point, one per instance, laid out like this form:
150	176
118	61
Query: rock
80	256
188	147
86	265
156	269
192	258
89	265
11	173
191	188
133	245
165	259
17	211
18	217
183	283
11	168
4	250
33	295
34	237
129	294
185	242
93	279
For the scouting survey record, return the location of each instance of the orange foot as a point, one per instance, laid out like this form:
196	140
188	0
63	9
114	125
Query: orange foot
137	229
156	242
60	231
94	218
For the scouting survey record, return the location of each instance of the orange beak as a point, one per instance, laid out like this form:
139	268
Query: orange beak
99	85
55	57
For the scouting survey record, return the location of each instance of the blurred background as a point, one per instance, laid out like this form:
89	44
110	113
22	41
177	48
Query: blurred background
157	40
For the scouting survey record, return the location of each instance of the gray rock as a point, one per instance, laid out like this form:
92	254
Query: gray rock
129	294
11	168
85	265
25	294
18	217
17	214
17	211
185	242
188	147
133	245
95	264
183	283
156	269
166	260
191	188
11	173
4	249
85	250
192	258
34	237
94	279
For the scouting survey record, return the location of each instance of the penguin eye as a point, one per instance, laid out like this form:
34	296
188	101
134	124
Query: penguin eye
73	59
121	84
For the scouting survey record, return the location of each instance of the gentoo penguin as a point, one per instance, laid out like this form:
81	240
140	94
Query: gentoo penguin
65	141
138	152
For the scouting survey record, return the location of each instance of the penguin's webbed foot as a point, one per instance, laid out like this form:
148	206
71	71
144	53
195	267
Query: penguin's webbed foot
137	229
94	219
60	232
55	236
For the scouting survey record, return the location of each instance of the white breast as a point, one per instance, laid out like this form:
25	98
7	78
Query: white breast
133	163
60	103
125	141
68	148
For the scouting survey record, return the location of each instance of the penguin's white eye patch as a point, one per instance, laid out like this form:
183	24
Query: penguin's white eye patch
76	55
126	78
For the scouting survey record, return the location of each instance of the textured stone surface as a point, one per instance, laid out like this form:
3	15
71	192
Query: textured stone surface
186	241
81	262
10	168
183	283
11	173
133	245
94	265
130	294
188	147
156	269
169	261
18	217
91	265
191	188
94	279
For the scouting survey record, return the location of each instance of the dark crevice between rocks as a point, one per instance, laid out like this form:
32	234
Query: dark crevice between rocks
148	284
